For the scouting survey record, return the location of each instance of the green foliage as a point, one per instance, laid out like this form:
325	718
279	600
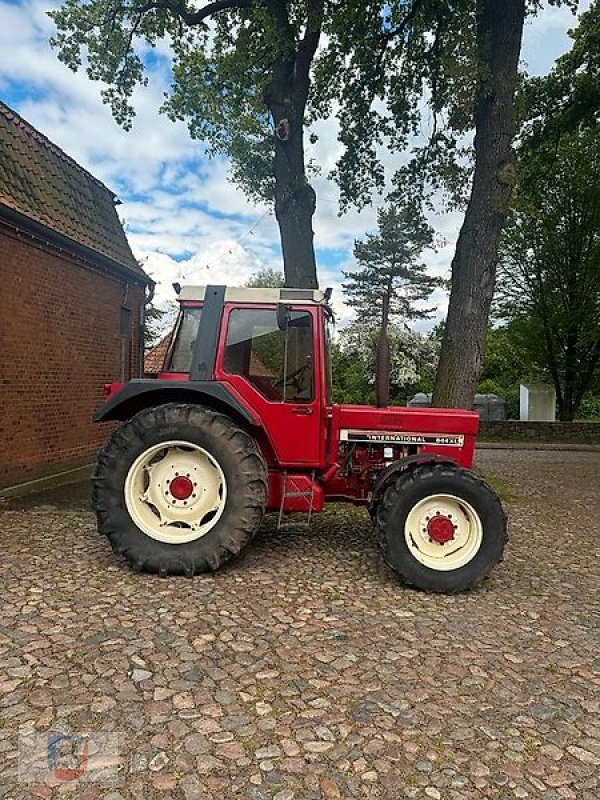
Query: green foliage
266	278
550	261
413	358
509	361
381	64
590	408
389	267
569	97
222	64
403	53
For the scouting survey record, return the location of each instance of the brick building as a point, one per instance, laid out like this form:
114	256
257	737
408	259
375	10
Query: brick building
71	305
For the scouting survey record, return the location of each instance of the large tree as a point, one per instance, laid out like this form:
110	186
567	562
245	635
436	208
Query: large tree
550	267
458	60
499	29
389	268
241	78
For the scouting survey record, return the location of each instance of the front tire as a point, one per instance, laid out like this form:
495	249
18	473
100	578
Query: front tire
441	528
179	489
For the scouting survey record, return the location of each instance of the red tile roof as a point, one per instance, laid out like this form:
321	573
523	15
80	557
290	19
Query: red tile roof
43	183
155	357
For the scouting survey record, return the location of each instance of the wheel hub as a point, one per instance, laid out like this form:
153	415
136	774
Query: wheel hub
441	529
181	487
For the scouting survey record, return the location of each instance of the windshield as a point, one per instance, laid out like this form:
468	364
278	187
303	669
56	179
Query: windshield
186	331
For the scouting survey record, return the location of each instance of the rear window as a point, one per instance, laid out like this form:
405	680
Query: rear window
179	358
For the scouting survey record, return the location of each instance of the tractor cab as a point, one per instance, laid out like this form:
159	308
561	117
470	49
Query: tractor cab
269	348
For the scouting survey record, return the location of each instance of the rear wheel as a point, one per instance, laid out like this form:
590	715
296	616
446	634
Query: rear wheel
179	489
441	528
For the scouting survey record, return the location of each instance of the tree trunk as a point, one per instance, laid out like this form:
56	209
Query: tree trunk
295	199
295	203
499	33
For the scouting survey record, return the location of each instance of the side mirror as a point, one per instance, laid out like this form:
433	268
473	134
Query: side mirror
283	316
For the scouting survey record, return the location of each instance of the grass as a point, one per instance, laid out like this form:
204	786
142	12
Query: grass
502	489
531	746
410	779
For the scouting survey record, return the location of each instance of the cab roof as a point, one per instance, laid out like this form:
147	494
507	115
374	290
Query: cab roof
243	294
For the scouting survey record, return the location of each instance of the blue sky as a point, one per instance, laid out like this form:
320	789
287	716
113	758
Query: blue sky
183	216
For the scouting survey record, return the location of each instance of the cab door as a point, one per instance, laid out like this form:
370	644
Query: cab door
275	367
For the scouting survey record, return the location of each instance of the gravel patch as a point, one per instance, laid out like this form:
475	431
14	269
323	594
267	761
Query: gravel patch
304	670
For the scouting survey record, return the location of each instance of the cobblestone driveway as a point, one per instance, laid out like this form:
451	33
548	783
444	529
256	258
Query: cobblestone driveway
304	670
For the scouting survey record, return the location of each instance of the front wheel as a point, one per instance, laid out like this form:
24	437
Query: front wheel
179	489
441	528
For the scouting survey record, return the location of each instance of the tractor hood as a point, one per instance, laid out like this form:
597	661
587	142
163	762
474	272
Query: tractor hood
438	429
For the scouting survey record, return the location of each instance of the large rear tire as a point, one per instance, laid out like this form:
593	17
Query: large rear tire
441	528
179	489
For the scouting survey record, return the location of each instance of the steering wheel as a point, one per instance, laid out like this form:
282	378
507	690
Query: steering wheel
293	379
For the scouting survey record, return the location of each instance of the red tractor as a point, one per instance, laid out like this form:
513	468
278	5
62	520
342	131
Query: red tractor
240	421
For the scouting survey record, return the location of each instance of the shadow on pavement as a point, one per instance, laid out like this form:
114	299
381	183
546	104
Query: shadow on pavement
73	497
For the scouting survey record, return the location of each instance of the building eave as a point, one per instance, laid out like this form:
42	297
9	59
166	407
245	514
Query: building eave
45	235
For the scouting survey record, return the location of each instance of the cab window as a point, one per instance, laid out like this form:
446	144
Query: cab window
278	362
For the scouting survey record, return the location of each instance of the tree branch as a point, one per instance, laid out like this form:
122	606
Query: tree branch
180	9
307	49
401	28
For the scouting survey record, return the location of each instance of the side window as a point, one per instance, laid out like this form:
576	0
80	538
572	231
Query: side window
179	358
278	363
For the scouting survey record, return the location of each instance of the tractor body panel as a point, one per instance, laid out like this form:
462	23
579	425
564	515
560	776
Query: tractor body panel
443	431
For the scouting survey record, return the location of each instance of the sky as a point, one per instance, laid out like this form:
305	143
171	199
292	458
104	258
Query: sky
185	220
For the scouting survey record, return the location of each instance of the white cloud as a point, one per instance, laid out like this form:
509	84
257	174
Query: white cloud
222	261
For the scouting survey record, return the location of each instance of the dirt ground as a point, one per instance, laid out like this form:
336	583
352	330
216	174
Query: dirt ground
304	670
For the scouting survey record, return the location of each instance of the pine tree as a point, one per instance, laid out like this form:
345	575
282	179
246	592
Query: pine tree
389	266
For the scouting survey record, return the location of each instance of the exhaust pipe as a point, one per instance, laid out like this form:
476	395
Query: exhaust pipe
382	360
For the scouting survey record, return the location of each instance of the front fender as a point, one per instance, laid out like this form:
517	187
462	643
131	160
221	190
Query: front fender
387	475
142	393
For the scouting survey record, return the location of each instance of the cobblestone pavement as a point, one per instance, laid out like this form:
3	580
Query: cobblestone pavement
304	670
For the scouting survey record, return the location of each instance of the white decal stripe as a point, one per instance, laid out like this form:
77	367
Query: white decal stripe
402	437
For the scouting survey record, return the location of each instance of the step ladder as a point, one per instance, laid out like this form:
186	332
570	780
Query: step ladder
281	526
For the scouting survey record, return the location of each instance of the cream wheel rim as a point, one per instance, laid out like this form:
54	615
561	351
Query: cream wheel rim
175	492
443	532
